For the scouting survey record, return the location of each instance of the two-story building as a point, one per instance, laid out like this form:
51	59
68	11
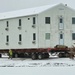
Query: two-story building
39	27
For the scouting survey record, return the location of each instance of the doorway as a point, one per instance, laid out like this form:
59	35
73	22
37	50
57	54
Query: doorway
61	39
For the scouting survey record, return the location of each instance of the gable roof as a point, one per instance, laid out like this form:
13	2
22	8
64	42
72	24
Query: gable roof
26	12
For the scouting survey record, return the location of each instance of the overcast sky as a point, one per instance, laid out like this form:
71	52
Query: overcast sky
10	5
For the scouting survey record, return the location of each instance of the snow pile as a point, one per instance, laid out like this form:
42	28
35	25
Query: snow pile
26	66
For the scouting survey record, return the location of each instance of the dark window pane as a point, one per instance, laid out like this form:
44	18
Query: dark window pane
47	20
73	20
73	36
7	38
33	20
34	36
61	20
7	23
20	37
19	22
61	36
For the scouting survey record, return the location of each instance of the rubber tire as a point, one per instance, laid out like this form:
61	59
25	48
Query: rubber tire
40	56
33	56
67	55
15	55
60	55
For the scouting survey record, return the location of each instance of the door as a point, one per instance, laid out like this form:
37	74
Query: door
61	39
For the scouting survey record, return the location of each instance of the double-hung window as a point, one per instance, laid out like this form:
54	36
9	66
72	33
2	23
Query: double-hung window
7	38
20	37
19	22
73	20
61	23
47	20
34	36
47	36
73	36
7	24
34	20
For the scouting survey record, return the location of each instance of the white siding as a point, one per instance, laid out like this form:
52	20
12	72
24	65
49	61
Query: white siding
26	30
53	28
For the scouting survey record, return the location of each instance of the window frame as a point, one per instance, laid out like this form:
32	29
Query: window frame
34	20
47	36
34	36
61	23
20	22
73	36
47	20
61	36
7	38
61	20
73	20
20	37
7	23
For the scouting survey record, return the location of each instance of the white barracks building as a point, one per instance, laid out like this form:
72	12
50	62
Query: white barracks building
39	27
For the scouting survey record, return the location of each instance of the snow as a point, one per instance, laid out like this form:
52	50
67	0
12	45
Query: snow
25	12
37	71
27	66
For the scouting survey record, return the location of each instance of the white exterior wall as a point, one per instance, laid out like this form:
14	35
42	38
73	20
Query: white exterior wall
13	32
53	27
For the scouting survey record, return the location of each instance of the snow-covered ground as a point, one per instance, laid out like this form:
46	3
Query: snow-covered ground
27	66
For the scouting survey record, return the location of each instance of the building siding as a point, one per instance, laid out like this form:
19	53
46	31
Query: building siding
53	27
26	31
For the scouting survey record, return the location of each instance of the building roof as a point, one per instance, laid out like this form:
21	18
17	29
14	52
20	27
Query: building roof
26	12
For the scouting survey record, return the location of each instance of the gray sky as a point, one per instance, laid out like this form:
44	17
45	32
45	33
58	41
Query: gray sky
10	5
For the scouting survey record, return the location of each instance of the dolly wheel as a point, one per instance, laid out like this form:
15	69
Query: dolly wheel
40	56
33	56
16	55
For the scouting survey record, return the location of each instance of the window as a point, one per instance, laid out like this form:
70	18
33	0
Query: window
34	36
47	20
20	37
61	20
73	36
47	36
7	23
34	20
61	23
19	22
7	38
61	36
73	20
